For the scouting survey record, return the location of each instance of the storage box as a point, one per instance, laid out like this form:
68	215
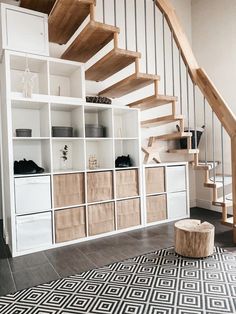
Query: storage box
128	213
32	194
68	190
70	224
33	231
99	186
101	218
156	208
127	183
155	180
62	131
95	130
23	132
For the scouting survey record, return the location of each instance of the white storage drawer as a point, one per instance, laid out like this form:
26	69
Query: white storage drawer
32	194
24	30
176	178
177	205
33	231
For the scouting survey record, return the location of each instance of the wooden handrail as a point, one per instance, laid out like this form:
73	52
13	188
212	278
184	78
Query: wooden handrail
210	92
199	76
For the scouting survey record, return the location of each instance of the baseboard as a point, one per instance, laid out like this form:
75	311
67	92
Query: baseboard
193	203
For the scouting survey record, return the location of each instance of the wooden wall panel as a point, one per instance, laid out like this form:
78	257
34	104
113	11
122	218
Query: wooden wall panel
68	189
155	180
128	213
127	183
70	224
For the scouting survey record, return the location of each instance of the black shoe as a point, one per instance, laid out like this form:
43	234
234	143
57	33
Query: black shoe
32	164
22	167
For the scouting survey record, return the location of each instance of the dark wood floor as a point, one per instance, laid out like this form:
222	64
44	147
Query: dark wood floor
30	270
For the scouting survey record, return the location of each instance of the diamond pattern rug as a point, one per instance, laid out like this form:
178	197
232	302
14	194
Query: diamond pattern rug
161	282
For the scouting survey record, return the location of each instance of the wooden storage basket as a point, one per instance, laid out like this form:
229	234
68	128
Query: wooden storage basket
155	180
127	183
68	189
101	218
100	186
70	224
156	208
128	213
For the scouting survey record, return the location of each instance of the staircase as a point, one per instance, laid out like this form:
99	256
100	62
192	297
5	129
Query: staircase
63	23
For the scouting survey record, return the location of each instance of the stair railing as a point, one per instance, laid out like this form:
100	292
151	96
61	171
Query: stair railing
219	107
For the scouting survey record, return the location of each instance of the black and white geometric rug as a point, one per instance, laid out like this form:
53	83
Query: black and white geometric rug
155	283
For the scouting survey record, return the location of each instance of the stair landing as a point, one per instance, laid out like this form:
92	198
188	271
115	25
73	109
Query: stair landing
113	62
92	38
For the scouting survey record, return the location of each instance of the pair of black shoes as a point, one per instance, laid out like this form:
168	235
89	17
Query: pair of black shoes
26	167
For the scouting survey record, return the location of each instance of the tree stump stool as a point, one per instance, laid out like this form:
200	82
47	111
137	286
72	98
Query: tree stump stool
193	238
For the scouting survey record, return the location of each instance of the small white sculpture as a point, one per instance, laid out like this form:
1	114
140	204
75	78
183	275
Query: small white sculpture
28	81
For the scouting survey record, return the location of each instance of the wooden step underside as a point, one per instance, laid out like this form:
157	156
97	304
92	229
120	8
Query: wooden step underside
113	62
153	101
160	121
92	38
129	85
173	136
183	151
44	6
229	222
66	17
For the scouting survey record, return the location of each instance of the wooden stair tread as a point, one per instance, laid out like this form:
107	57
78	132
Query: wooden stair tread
113	62
92	38
160	121
173	136
221	201
228	222
129	84
36	5
153	101
183	151
66	17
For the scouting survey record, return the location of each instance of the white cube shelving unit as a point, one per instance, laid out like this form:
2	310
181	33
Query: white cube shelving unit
58	99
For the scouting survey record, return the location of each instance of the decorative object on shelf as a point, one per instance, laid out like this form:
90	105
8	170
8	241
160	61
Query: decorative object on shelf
151	152
183	141
95	130
62	131
59	90
123	161
93	162
64	157
26	167
119	131
28	81
23	132
98	100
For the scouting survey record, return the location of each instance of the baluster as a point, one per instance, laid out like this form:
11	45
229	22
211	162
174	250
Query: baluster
195	116
187	89
126	30
136	24
155	34
213	144
145	26
115	18
205	130
180	84
164	51
172	60
103	11
222	160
